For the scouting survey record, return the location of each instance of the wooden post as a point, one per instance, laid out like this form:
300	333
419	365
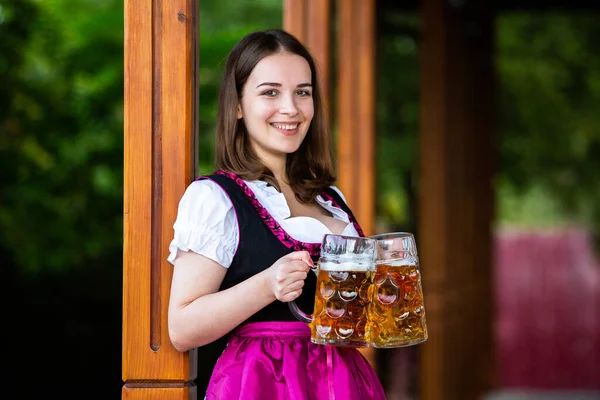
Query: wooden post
456	198
356	114
160	130
356	108
310	22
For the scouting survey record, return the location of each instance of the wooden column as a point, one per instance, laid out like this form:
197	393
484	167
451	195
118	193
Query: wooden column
160	120
355	117
456	198
310	22
356	108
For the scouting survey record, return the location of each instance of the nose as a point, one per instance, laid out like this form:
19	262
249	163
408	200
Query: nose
288	106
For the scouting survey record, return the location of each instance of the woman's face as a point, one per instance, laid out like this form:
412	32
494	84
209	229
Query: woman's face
277	105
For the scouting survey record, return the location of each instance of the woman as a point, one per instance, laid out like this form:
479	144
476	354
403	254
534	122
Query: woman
246	237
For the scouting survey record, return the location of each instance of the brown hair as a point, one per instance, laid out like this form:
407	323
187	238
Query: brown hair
309	170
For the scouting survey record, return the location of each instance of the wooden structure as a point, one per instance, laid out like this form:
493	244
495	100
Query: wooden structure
160	108
455	202
456	198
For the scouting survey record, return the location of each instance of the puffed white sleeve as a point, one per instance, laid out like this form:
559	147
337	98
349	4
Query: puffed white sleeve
206	223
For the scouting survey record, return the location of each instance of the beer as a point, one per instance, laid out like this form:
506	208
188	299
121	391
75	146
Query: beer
346	266
340	312
396	313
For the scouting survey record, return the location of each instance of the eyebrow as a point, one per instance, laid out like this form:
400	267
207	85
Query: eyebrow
279	84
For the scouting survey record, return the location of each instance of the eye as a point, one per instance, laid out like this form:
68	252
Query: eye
303	92
270	93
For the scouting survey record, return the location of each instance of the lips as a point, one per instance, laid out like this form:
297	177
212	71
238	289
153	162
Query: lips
287	129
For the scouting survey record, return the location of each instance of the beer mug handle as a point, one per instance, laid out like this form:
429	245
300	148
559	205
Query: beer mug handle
298	313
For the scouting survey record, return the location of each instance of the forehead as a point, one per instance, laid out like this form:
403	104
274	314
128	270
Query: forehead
283	68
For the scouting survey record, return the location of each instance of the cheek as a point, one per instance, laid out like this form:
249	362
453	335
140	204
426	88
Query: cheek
308	111
261	111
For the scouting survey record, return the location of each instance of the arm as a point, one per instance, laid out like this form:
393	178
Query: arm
200	314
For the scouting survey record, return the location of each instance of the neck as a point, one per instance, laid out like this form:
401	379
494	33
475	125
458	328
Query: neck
279	172
277	165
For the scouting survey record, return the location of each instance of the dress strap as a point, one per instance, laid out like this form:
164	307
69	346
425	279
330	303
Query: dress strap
330	194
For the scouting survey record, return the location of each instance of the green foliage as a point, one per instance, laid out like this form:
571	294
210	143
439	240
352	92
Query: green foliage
549	73
61	145
61	121
548	145
397	123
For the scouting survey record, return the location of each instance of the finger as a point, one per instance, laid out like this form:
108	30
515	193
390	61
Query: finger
290	296
287	278
287	287
290	267
298	285
301	256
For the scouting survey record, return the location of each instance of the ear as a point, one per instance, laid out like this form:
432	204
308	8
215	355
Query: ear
238	113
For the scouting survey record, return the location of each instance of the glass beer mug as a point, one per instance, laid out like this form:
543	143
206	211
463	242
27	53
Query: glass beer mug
396	310
344	274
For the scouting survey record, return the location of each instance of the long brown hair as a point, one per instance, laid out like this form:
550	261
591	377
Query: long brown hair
309	169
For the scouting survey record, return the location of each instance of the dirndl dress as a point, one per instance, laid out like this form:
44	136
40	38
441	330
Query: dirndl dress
271	356
277	361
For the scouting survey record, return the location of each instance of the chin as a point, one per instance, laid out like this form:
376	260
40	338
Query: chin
287	148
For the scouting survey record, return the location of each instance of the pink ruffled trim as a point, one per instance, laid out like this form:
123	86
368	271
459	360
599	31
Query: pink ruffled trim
314	249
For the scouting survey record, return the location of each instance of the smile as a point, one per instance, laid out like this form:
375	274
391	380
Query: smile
285	127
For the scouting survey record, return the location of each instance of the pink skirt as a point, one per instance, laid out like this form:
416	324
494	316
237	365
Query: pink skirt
277	361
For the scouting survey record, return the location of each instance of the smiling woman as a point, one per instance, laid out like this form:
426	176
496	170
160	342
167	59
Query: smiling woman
246	237
276	114
274	83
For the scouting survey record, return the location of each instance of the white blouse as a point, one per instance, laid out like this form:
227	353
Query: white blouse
207	224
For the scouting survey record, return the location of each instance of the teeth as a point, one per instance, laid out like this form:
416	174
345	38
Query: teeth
285	126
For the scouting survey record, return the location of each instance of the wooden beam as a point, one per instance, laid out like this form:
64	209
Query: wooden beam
356	108
456	198
159	163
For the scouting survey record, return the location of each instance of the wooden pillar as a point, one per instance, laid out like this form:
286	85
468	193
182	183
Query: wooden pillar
310	22
355	117
356	108
456	198
160	120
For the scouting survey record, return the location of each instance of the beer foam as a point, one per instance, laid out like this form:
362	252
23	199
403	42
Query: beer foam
345	266
399	262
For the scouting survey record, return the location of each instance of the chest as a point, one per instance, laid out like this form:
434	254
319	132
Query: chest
317	212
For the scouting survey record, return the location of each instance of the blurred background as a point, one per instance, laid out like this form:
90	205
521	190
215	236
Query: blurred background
61	162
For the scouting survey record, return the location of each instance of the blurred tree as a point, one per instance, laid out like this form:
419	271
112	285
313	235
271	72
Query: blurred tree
549	74
548	138
61	120
61	152
61	143
397	121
